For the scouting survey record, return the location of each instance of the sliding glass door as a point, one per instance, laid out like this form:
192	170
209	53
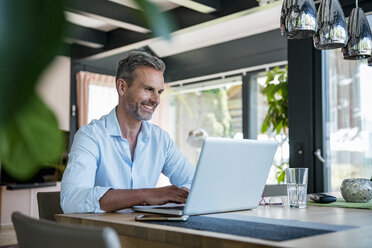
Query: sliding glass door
347	118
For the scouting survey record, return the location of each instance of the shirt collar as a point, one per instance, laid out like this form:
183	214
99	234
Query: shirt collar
145	130
112	125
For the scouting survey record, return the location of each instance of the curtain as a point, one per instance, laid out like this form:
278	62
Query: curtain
88	86
345	78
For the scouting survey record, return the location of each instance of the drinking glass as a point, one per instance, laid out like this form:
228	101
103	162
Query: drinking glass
296	179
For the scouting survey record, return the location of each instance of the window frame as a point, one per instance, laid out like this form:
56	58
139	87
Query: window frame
305	110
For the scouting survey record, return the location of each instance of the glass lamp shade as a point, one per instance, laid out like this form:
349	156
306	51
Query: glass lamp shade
359	45
298	19
332	32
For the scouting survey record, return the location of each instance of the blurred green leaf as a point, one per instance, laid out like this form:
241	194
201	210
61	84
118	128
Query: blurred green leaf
160	23
31	33
279	127
280	176
266	89
30	139
276	118
270	77
265	125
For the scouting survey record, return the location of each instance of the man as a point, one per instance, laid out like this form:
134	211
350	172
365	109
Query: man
115	162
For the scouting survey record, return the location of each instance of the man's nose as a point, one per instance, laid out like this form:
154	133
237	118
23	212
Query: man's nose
155	98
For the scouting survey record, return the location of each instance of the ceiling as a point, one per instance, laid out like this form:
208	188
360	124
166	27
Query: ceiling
101	31
102	28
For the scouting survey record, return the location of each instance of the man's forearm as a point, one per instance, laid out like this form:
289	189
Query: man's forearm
116	199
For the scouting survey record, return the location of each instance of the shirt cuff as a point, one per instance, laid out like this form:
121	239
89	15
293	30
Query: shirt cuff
98	193
186	185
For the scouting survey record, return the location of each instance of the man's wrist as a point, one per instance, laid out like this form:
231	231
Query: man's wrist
143	196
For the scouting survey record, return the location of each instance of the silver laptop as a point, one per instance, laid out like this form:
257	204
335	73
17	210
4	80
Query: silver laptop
230	176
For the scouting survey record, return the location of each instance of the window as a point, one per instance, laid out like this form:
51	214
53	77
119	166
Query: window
102	99
348	119
216	108
96	96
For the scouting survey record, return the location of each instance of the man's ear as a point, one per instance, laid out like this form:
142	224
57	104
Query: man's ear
122	86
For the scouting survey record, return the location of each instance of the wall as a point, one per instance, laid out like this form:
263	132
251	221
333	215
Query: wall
22	200
54	89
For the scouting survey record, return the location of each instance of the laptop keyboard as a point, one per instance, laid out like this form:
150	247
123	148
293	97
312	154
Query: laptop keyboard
175	207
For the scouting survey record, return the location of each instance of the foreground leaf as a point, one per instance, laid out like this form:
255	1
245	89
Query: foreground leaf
30	139
31	33
160	23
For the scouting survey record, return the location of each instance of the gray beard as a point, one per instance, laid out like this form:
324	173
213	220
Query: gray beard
137	115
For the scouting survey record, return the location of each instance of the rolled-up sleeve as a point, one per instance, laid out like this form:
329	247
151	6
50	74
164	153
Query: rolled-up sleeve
78	191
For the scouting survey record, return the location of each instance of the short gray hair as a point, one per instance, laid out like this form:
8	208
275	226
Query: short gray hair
128	64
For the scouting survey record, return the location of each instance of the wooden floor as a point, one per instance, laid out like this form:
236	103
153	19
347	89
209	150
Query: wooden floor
8	237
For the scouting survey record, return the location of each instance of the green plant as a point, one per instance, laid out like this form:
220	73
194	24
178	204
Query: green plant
276	91
31	33
276	119
207	109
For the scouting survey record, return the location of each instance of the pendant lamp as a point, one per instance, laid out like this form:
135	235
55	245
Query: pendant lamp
332	32
359	45
298	19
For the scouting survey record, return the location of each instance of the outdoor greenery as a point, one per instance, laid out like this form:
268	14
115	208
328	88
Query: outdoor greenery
207	109
276	119
30	36
219	117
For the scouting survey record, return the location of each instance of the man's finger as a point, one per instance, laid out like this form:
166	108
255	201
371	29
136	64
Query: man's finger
182	193
186	189
178	199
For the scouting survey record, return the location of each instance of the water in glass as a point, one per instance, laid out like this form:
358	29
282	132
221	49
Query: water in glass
297	195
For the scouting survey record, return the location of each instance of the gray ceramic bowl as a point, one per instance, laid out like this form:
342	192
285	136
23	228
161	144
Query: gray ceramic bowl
356	190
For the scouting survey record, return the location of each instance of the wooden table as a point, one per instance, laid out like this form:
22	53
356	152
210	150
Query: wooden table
140	234
8	236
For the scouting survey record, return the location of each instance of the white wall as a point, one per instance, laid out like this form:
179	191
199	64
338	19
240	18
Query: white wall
22	200
54	89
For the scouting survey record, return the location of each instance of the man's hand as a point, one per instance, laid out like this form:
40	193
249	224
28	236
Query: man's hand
116	199
158	196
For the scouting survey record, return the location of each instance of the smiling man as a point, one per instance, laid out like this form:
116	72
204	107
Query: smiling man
115	162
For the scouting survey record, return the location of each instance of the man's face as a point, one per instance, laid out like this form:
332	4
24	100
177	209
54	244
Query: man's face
143	96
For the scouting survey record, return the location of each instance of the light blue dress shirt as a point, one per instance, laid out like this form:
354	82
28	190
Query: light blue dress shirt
100	159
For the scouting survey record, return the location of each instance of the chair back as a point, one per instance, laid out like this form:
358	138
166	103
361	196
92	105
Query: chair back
49	205
32	233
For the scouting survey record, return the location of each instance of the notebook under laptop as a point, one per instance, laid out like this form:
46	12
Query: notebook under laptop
230	176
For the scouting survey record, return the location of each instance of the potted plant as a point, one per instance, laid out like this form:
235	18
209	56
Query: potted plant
276	119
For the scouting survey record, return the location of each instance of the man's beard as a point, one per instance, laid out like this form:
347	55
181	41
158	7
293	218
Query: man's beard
135	111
